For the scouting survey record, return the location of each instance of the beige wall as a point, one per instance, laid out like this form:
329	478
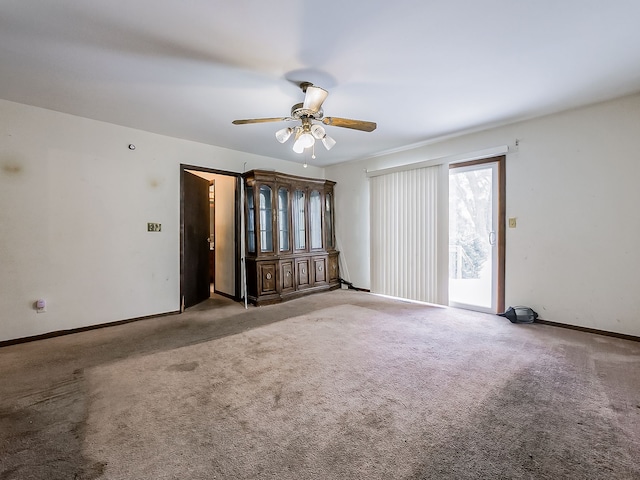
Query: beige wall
75	201
225	242
74	207
572	183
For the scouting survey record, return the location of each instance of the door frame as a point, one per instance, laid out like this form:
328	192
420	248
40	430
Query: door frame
501	227
238	233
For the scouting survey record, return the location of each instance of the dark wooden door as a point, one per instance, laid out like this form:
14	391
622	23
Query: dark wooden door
196	235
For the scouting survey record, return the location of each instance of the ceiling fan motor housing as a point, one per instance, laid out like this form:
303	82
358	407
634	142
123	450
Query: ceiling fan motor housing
298	112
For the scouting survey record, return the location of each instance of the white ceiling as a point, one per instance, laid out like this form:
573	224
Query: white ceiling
420	69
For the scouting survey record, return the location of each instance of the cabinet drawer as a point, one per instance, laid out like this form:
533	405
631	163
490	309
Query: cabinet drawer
302	273
267	275
320	270
286	271
334	273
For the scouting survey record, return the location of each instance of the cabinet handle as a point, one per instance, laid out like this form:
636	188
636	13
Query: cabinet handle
319	268
304	271
268	275
288	274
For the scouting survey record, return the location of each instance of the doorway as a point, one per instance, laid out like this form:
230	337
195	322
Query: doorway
210	229
212	235
477	235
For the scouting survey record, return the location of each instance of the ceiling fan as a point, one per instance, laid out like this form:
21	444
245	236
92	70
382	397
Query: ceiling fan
310	113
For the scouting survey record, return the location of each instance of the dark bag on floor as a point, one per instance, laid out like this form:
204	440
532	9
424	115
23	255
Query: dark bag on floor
520	315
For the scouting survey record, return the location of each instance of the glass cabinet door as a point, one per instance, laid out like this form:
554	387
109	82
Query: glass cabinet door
299	227
328	219
251	222
266	219
315	219
283	219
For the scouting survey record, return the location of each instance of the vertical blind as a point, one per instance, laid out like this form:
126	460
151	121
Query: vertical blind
404	234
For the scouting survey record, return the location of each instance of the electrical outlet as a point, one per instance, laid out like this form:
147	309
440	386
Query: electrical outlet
512	222
154	227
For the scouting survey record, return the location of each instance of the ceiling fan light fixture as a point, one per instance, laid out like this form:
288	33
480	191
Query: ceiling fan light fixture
328	142
307	139
297	146
313	98
303	141
284	134
317	131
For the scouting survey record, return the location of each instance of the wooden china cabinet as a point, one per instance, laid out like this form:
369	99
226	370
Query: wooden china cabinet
291	248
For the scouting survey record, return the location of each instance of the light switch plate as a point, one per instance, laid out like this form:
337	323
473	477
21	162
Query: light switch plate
154	227
512	222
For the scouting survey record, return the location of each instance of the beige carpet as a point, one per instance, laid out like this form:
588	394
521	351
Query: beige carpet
341	385
351	393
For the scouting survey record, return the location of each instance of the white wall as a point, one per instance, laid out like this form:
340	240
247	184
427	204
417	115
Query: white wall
74	207
573	185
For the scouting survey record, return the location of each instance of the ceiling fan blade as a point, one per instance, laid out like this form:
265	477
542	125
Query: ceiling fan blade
261	120
348	123
313	98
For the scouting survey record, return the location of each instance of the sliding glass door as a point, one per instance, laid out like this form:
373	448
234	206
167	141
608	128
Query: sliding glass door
474	234
413	214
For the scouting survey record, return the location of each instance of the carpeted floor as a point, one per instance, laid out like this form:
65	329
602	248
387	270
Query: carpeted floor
340	385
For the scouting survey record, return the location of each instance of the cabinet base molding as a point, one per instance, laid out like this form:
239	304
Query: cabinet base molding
273	299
